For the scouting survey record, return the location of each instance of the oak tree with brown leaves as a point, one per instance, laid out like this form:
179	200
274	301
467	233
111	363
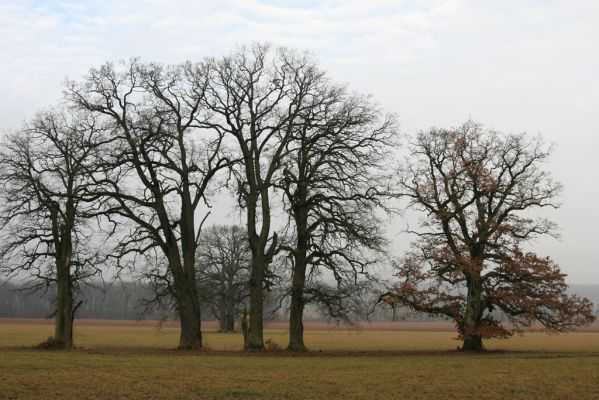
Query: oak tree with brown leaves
477	189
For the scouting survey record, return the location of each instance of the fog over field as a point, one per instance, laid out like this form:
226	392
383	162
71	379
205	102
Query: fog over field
514	66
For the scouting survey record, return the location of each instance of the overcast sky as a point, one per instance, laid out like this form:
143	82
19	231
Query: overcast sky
513	65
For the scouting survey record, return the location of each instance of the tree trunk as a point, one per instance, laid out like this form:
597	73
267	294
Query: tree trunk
190	317
255	335
296	325
230	323
182	267
245	328
473	341
63	332
227	319
222	316
296	314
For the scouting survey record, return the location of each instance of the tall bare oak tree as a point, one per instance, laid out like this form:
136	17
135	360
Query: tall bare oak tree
44	177
334	182
256	96
157	170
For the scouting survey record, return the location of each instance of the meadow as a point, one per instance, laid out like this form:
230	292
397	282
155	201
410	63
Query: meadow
139	361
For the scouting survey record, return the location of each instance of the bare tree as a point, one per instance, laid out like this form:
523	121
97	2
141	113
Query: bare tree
157	171
223	272
44	214
256	96
477	189
335	179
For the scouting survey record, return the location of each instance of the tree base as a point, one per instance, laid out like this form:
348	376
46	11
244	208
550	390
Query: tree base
190	347
474	345
297	347
254	346
53	344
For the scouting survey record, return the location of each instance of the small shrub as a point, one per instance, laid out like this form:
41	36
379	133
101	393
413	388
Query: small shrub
51	344
271	345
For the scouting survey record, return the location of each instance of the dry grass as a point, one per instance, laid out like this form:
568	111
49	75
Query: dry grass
145	337
138	362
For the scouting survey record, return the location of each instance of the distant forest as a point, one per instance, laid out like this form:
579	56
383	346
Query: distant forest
124	300
129	301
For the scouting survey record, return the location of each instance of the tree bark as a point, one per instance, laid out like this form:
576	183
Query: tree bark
230	322
296	314
473	341
255	335
227	318
296	325
63	332
182	266
190	317
191	325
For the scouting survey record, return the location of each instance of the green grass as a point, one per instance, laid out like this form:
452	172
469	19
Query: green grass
141	363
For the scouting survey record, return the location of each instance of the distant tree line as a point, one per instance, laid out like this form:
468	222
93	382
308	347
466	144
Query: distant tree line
120	176
124	300
128	301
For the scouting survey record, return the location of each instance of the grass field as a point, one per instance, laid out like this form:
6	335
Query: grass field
138	362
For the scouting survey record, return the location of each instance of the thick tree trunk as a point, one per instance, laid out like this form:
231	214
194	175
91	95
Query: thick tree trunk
296	314
63	333
227	319
229	323
473	341
231	317
190	317
255	335
182	266
191	326
296	325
